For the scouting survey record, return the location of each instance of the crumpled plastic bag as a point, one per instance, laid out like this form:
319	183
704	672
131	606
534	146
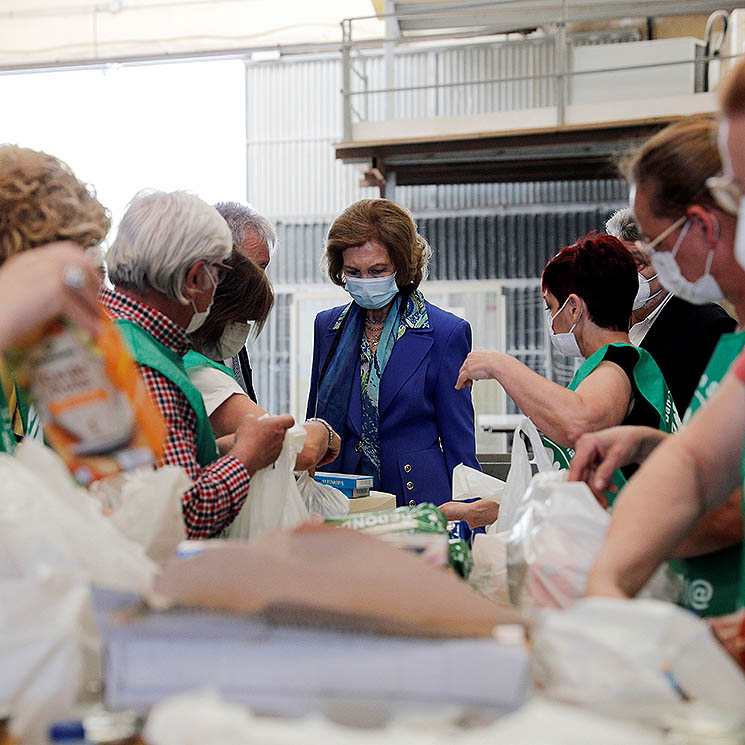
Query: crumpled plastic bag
273	501
468	483
559	530
322	499
45	518
49	646
489	550
551	548
203	717
145	505
641	659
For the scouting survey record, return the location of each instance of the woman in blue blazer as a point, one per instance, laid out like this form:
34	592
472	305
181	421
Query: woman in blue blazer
385	366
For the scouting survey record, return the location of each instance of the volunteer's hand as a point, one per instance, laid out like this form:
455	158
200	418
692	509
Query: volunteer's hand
479	365
33	290
600	454
477	514
258	442
333	450
728	630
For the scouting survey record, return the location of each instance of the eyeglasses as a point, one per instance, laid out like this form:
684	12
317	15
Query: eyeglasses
222	270
648	248
727	192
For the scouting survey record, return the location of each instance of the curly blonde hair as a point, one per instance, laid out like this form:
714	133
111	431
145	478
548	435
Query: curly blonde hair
42	201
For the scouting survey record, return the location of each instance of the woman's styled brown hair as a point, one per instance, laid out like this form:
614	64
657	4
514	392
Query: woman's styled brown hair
676	163
42	201
244	295
732	92
390	225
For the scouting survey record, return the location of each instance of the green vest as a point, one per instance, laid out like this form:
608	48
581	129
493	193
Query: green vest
712	581
194	359
7	437
151	353
31	423
650	384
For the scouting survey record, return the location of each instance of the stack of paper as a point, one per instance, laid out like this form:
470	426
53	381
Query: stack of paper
293	671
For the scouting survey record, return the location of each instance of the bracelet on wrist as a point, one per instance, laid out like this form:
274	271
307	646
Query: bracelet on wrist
325	424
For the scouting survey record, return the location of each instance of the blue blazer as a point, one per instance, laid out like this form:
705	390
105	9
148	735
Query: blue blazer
426	426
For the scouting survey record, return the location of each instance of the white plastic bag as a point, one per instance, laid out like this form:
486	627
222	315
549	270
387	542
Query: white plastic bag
468	483
45	518
635	658
551	548
521	473
322	499
273	501
48	647
145	506
489	550
560	527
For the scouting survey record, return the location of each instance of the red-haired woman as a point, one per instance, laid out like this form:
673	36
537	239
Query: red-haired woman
589	289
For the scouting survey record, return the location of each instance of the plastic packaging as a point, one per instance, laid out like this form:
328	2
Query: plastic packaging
273	501
489	574
322	499
422	521
642	659
96	410
424	518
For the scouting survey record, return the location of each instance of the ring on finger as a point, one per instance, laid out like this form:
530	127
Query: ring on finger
73	278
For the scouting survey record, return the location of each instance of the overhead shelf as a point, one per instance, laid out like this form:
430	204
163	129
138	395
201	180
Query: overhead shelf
520	146
415	17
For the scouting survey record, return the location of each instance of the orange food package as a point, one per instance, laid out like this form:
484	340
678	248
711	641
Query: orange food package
96	410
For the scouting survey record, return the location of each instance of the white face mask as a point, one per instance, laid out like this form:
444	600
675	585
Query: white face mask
565	343
232	340
740	236
643	295
200	316
704	290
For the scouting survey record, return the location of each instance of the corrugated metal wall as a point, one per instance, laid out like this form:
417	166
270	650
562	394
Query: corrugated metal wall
478	231
488	244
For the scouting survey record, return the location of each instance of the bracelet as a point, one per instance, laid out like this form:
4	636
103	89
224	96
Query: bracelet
325	424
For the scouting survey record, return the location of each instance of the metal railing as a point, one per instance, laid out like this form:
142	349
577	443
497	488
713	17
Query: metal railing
559	79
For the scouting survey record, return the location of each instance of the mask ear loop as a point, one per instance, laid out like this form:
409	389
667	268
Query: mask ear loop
681	238
710	256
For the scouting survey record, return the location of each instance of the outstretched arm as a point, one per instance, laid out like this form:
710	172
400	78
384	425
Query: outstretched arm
600	401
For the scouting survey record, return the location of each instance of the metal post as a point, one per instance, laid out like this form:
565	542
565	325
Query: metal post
389	188
562	65
389	55
346	91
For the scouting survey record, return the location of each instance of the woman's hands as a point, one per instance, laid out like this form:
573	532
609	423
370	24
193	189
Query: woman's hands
36	286
477	514
333	450
479	365
600	454
730	631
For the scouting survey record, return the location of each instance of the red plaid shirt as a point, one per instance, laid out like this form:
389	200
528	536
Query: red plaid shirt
220	489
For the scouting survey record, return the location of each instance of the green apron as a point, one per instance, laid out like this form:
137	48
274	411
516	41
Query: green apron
650	384
712	581
151	353
31	423
193	359
7	437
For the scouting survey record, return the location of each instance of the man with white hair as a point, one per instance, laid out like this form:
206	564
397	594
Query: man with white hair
680	336
165	263
254	236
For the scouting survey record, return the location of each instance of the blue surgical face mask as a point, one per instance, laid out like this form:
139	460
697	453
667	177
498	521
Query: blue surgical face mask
372	293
